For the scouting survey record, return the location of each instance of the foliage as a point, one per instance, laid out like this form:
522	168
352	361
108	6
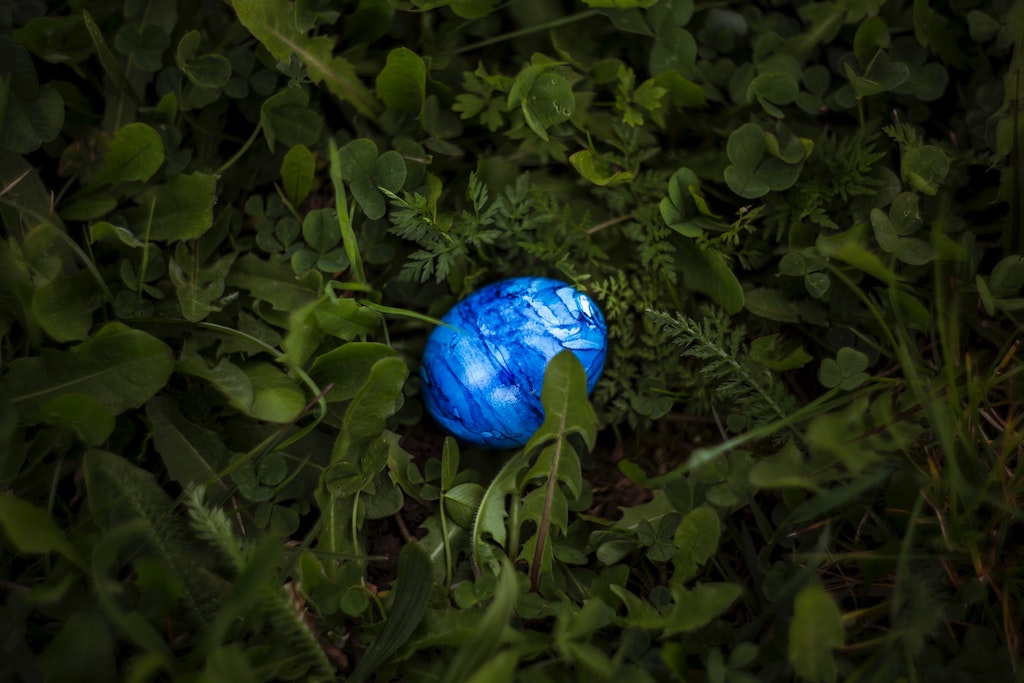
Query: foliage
228	229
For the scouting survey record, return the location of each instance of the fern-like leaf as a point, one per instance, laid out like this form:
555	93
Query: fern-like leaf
733	379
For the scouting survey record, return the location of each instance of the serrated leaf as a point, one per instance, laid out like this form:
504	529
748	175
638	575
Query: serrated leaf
272	22
122	496
191	453
119	367
696	608
696	540
816	630
135	154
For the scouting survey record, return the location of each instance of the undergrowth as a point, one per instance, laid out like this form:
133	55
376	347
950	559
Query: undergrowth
230	227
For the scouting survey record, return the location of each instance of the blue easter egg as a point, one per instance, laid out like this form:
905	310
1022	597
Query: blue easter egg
482	380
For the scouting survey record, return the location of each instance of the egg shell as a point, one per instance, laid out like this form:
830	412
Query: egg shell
482	380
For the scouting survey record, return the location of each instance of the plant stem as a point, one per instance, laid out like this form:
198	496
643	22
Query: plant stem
555	23
244	148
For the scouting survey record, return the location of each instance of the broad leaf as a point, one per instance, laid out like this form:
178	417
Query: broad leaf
415	583
120	368
297	173
402	82
816	630
191	453
272	281
32	530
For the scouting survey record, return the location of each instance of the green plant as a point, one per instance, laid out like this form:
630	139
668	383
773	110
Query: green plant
229	228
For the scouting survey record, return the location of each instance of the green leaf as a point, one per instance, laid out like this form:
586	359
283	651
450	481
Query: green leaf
127	499
64	306
378	398
366	173
92	422
414	585
598	170
320	229
934	31
297	170
225	376
696	540
883	76
135	154
25	125
119	367
105	230
192	454
773	353
332	316
683	204
84	643
31	530
872	35
180	210
275	396
846	371
620	4
287	117
272	22
272	281
206	71
402	82
706	271
1007	277
749	175
481	644
347	368
548	102
783	469
776	87
696	608
925	167
567	414
816	630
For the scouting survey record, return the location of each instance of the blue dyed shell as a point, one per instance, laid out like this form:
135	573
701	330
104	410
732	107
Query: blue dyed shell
482	380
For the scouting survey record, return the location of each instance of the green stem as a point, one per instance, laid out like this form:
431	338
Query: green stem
555	23
447	543
245	148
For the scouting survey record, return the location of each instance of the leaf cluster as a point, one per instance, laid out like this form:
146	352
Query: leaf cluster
228	228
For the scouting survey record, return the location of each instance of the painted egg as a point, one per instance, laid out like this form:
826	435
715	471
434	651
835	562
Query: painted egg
482	375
